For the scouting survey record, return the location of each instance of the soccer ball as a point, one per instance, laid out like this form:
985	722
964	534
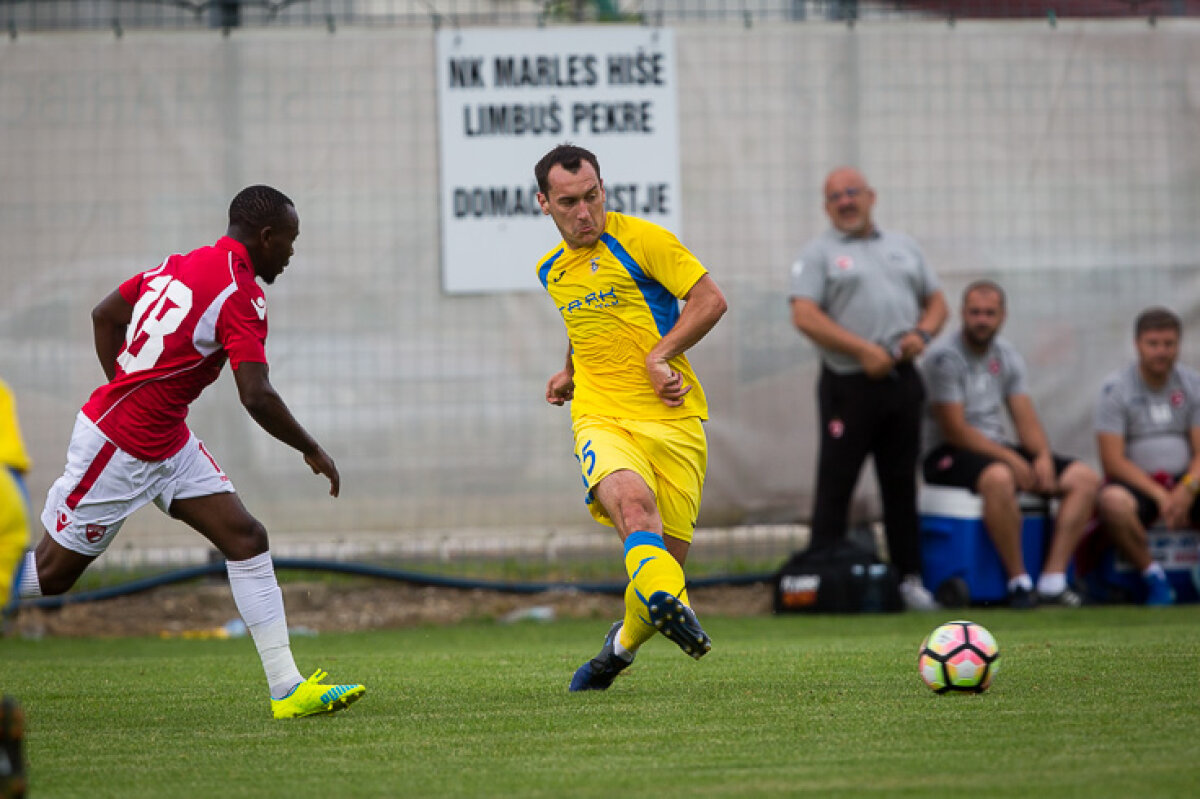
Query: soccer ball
958	657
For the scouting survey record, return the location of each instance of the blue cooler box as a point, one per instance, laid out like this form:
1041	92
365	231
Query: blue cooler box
954	542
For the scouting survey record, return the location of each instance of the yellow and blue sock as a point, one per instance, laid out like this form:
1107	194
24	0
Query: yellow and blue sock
651	568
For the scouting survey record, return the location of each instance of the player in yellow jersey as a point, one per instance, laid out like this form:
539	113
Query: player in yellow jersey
636	405
14	502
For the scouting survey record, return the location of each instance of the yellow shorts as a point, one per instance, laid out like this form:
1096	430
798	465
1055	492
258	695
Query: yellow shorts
670	455
14	531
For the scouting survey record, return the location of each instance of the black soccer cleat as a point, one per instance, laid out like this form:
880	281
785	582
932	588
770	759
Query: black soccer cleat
677	622
599	672
1021	599
12	761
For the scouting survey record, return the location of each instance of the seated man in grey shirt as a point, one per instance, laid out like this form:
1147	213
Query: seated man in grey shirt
1148	434
973	378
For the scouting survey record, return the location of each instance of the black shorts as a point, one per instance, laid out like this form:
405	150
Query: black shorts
1147	508
946	465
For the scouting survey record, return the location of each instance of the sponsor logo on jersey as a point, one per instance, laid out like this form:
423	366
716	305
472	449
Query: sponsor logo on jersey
591	301
560	274
63	520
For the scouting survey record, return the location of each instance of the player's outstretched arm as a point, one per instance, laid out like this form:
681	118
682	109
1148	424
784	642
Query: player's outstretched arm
267	408
110	318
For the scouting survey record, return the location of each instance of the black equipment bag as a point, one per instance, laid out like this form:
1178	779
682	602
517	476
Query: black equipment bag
838	578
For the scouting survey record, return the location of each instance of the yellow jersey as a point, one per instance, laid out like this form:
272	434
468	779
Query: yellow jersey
618	298
12	447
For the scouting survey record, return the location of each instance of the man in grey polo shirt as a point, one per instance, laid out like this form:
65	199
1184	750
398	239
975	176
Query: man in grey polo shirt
974	379
1148	434
870	303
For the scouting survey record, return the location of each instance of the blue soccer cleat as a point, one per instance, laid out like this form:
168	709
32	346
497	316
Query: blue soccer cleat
599	672
1158	591
677	622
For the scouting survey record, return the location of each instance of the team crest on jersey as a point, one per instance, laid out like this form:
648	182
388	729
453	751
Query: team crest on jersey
1177	398
595	262
945	463
843	262
94	532
837	428
994	366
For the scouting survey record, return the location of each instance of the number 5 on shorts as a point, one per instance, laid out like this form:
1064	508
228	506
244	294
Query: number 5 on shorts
587	462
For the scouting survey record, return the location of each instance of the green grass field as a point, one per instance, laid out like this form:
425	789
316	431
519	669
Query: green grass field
1102	702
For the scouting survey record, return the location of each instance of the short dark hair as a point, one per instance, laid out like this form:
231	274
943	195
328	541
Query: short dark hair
1156	318
257	207
986	285
569	156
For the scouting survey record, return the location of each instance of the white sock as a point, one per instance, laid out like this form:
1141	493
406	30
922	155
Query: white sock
1154	570
29	586
260	602
1052	584
620	651
1020	581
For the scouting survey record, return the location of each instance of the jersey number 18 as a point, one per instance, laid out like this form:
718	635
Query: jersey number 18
158	313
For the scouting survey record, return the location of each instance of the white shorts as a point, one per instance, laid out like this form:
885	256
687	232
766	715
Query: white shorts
103	485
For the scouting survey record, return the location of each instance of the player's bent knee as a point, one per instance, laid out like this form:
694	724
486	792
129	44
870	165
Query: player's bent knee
248	541
997	481
1114	502
1080	477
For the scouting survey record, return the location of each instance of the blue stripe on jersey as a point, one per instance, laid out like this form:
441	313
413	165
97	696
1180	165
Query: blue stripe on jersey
663	304
544	271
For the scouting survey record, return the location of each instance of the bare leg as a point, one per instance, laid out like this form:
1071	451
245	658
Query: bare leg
629	502
58	567
1002	516
1079	484
1118	514
223	520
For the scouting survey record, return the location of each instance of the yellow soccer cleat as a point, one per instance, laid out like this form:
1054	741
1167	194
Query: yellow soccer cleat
312	697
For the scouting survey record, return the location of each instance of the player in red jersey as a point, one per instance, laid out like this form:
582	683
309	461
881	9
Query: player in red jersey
162	336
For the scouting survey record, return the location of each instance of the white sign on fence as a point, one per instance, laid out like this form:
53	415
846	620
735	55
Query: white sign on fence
506	97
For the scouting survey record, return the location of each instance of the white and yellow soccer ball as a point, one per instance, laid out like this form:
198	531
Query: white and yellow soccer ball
959	657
